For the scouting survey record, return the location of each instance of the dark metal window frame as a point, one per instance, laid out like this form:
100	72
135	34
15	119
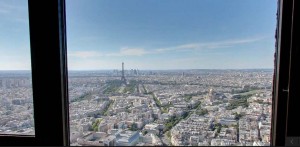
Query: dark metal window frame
286	77
50	74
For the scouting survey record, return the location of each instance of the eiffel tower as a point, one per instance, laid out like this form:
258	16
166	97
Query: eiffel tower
123	75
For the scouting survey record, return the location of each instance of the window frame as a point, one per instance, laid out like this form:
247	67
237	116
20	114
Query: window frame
49	76
47	24
285	80
294	79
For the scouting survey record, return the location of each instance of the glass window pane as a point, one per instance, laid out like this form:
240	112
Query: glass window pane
170	72
16	102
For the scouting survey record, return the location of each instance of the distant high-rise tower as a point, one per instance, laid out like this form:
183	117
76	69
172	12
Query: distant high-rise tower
123	75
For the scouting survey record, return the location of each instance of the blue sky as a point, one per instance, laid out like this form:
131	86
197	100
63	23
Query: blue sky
14	35
152	34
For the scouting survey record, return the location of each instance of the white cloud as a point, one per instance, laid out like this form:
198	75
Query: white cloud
122	52
209	45
15	65
14	11
12	6
132	51
125	51
128	52
93	64
187	46
85	54
14	58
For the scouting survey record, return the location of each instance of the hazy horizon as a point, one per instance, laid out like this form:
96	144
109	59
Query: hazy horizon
149	69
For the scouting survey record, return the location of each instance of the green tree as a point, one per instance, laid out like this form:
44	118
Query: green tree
145	132
202	112
133	127
95	124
